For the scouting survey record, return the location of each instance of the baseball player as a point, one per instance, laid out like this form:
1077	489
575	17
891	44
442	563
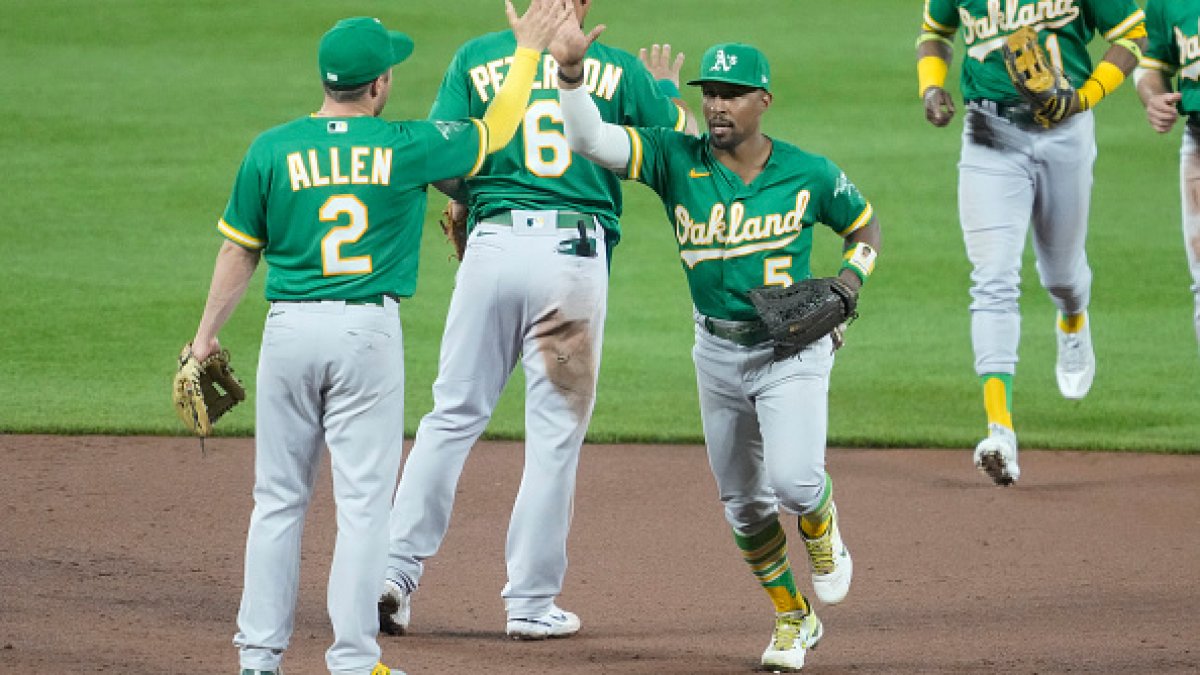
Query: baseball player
1174	49
1014	172
334	201
743	206
532	288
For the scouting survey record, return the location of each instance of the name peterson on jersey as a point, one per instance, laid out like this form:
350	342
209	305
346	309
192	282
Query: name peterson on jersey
740	236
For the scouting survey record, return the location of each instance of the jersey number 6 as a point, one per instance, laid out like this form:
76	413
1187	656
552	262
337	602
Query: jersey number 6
547	154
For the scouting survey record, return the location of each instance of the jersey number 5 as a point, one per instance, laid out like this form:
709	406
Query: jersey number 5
332	261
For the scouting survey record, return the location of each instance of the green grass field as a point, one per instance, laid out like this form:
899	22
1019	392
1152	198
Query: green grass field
124	122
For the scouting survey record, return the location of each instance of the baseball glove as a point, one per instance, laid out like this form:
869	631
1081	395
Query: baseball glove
1039	82
205	390
804	312
454	225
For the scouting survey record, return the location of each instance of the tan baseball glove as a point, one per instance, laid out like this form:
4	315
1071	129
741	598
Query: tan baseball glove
205	390
454	225
1039	82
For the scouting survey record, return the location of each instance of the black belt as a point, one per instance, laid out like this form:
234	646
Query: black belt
745	333
1017	112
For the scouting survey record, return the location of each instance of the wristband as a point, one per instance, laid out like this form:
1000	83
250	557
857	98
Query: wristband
570	80
931	72
859	259
669	88
1102	82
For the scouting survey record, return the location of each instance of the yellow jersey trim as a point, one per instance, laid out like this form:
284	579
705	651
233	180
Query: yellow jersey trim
635	153
238	237
863	219
1129	25
483	146
681	123
1155	64
934	26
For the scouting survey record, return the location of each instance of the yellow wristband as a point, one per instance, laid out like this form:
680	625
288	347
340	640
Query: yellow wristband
1106	78
504	115
931	72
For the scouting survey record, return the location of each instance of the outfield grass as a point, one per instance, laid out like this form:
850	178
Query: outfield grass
124	122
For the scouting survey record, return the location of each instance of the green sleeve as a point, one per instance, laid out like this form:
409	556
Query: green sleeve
1115	18
453	100
450	149
844	209
245	219
645	105
1160	48
647	156
941	16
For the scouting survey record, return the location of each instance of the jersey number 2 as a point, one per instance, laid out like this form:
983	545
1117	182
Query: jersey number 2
332	261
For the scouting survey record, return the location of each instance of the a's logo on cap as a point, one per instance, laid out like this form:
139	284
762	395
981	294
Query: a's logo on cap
723	62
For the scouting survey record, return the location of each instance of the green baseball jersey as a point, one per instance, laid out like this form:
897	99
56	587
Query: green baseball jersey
337	204
1174	46
537	170
1065	27
734	237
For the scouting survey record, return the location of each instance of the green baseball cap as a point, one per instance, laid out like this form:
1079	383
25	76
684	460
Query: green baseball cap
358	50
735	63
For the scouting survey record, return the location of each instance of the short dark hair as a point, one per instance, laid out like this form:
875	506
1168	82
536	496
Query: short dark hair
347	94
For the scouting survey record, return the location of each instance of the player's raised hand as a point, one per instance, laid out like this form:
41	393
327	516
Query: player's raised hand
570	45
939	107
1161	111
540	23
658	61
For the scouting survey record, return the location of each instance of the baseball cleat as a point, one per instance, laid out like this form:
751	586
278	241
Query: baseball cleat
795	633
996	455
556	623
832	567
395	605
1076	366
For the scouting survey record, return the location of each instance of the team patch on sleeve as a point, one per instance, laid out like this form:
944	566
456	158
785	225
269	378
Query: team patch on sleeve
238	237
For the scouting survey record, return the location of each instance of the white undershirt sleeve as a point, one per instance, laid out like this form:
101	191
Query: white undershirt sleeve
589	135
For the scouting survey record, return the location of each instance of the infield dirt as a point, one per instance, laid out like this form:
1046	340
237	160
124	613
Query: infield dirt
123	555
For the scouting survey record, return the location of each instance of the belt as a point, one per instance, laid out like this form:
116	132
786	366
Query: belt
745	333
566	220
377	300
1018	113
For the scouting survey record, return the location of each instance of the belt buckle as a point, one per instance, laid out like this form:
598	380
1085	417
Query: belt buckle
534	222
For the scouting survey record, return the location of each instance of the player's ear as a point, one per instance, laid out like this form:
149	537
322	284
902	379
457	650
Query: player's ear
767	98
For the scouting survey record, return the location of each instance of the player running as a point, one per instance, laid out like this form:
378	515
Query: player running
1174	49
1014	171
742	205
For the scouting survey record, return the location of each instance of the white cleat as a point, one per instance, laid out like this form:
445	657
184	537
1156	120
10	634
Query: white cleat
556	623
1076	366
795	633
832	567
395	606
996	455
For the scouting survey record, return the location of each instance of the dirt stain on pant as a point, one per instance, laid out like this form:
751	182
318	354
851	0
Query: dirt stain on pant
567	350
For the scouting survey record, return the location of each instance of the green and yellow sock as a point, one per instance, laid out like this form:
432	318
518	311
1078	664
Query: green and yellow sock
766	553
997	398
814	523
1073	323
